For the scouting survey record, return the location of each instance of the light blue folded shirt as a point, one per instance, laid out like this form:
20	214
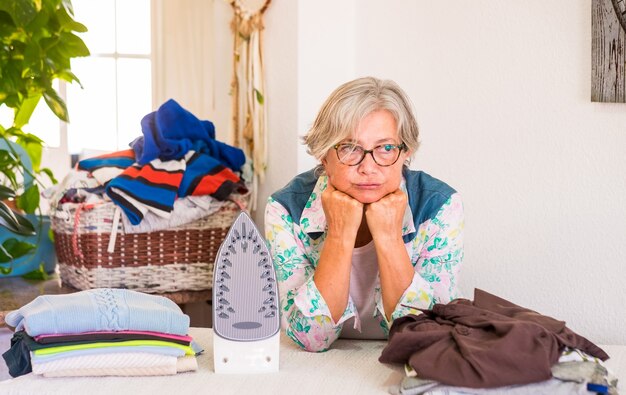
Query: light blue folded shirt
101	309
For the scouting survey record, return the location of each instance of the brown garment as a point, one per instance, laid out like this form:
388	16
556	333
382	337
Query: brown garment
489	342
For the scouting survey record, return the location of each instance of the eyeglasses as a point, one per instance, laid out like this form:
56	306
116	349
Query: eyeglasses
384	154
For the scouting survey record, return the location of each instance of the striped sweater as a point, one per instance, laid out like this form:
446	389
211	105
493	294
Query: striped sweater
156	185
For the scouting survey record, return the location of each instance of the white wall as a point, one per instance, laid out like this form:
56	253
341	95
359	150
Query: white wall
326	56
304	61
280	52
502	93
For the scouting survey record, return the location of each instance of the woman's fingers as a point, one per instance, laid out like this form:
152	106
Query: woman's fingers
384	217
343	213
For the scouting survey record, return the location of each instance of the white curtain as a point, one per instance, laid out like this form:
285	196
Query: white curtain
183	55
193	64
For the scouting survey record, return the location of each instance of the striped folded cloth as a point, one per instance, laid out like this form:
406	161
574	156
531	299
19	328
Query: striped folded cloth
138	189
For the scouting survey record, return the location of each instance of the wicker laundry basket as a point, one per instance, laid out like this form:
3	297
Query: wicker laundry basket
94	252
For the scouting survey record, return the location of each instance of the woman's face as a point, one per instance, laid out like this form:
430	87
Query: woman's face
368	182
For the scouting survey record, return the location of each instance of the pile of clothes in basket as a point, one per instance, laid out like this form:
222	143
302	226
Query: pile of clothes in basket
150	218
175	173
100	332
492	346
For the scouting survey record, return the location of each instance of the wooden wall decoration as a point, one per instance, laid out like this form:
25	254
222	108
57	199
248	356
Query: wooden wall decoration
608	51
248	122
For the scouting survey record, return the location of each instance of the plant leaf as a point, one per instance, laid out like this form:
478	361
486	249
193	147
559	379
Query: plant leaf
23	113
56	104
39	23
13	249
54	57
10	175
71	46
21	11
6	192
13	132
67	4
67	75
39	274
25	225
259	96
29	200
68	23
5	270
15	222
49	174
33	146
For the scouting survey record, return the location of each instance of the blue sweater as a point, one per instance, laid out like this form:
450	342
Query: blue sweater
101	309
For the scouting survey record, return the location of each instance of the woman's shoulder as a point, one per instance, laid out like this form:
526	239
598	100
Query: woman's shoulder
427	194
301	184
417	180
300	187
295	195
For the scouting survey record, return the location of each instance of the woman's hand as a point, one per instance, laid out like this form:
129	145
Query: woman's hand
384	217
343	213
332	274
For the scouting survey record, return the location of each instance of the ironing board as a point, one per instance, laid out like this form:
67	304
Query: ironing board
349	367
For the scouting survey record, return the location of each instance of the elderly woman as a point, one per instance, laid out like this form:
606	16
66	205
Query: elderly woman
361	240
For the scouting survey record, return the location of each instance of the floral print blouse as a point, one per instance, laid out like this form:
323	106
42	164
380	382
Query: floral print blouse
435	249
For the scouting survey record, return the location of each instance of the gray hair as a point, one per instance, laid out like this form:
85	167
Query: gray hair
344	109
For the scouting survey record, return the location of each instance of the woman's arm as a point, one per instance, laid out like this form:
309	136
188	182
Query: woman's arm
384	219
332	274
306	316
436	254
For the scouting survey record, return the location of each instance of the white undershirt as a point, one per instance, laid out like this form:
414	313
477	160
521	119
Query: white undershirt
363	281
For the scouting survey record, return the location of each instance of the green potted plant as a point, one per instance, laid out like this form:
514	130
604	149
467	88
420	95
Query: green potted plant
37	41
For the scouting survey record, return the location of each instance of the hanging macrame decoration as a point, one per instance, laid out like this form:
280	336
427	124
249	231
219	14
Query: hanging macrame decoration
248	124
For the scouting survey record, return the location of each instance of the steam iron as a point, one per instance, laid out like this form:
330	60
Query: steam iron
246	322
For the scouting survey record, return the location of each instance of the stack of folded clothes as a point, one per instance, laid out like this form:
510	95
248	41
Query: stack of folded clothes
100	332
492	346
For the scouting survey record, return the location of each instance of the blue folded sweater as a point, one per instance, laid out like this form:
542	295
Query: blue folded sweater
101	309
171	131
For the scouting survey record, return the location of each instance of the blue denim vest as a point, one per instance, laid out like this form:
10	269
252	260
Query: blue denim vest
426	196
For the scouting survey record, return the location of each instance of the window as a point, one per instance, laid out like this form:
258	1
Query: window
117	81
116	78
